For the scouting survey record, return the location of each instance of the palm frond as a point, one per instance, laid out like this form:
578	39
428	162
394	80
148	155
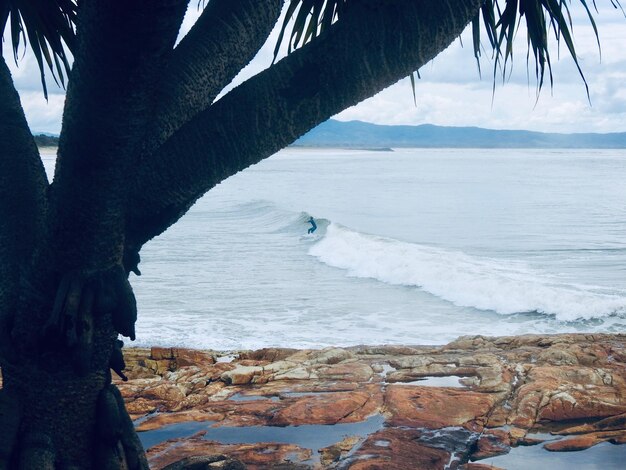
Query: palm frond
48	27
310	19
502	20
499	20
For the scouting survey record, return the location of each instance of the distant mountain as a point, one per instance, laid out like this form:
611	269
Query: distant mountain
358	134
46	140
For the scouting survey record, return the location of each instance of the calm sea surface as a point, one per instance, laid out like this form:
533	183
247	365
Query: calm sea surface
413	247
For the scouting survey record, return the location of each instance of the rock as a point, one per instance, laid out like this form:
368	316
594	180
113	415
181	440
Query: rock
513	384
573	444
430	407
254	456
492	443
297	373
207	463
557	356
330	408
268	354
401	451
241	375
334	453
612	423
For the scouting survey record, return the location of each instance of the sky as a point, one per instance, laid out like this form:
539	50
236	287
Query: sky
450	91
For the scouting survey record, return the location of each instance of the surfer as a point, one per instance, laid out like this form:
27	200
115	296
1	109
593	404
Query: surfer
313	225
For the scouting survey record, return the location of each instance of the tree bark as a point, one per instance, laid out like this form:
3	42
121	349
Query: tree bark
23	186
223	41
107	106
380	42
68	296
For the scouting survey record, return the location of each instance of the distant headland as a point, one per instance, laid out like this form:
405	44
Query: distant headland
367	136
46	140
363	135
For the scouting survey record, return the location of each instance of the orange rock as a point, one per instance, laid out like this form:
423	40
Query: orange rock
157	353
491	443
612	423
330	408
268	354
192	357
241	375
334	453
163	419
530	382
431	407
346	371
572	444
254	456
140	406
398	449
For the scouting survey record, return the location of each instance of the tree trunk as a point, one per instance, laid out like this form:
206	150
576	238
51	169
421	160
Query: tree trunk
58	408
66	249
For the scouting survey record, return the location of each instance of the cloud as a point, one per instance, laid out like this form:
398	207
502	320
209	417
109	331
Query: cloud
43	116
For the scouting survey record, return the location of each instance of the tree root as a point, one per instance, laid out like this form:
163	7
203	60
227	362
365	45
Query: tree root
116	363
110	457
108	418
80	299
10	418
131	260
133	450
118	446
37	451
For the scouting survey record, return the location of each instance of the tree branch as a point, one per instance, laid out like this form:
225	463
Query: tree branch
23	186
108	104
380	42
225	39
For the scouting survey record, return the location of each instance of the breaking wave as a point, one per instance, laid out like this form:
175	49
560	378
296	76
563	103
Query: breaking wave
506	287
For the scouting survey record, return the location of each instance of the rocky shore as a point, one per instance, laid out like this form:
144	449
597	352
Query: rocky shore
383	407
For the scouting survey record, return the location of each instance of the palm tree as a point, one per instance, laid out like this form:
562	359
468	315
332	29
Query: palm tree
143	137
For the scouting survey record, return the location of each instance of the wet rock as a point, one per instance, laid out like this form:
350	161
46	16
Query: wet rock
268	354
437	407
572	444
241	375
397	449
492	443
612	423
207	463
263	456
557	356
513	384
334	453
330	408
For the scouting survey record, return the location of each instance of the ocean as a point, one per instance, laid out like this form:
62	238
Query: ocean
414	246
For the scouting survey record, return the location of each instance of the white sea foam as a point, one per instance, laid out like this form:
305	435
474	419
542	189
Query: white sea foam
503	286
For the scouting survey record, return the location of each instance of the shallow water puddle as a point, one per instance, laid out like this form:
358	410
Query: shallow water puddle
603	456
243	397
305	394
311	436
453	381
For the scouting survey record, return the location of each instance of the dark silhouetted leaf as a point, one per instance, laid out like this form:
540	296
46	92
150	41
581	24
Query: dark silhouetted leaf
499	19
47	27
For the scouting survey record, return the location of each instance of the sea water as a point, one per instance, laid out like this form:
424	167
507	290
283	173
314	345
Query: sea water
414	246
